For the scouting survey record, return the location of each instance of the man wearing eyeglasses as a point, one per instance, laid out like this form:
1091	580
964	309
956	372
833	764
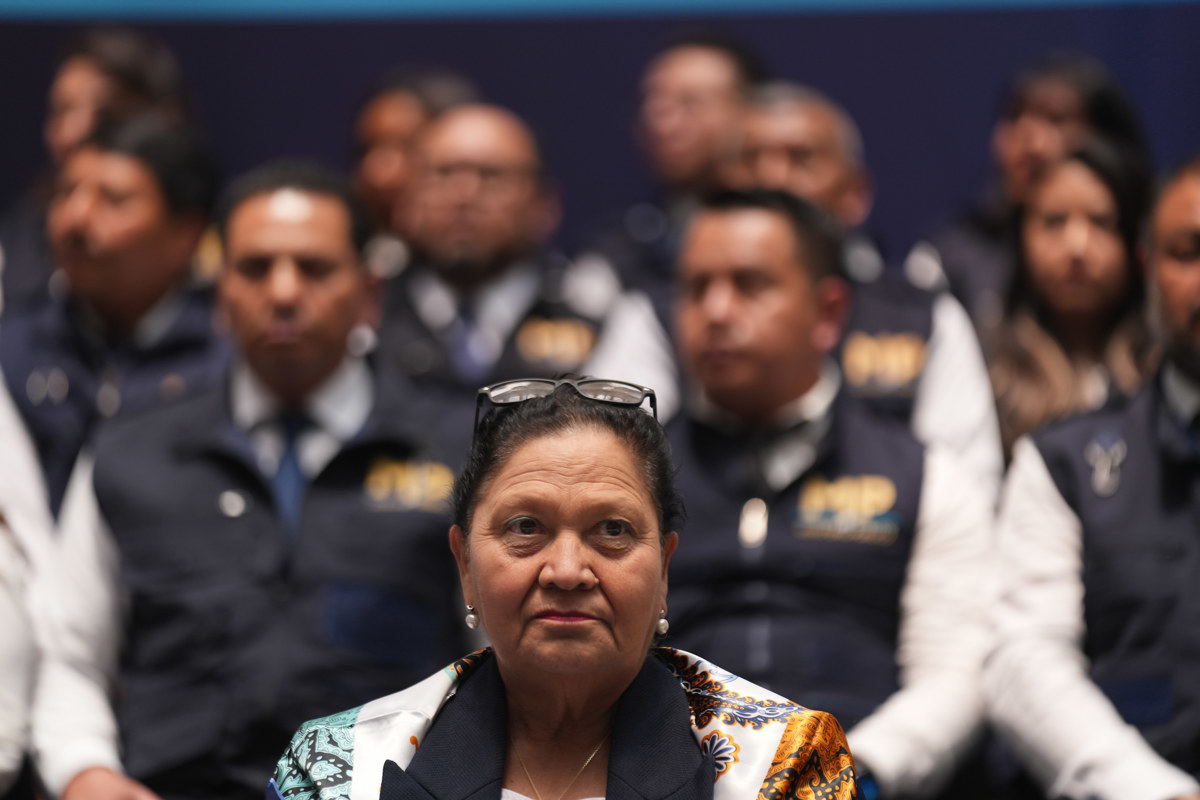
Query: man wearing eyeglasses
483	300
264	553
830	556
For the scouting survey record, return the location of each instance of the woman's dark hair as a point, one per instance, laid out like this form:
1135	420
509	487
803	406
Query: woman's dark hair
1124	175
504	429
1107	107
145	73
1034	377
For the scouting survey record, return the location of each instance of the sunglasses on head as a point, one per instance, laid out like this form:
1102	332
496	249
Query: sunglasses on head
618	393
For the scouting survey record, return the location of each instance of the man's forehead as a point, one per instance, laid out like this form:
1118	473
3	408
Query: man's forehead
290	212
479	135
695	65
291	205
743	235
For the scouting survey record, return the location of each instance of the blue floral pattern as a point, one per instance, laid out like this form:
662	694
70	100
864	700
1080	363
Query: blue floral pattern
723	749
709	699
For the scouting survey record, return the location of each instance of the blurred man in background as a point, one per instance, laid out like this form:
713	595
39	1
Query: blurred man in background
831	557
483	299
907	352
692	96
130	204
385	131
262	553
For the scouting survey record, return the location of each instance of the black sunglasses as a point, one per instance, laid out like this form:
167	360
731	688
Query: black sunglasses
599	389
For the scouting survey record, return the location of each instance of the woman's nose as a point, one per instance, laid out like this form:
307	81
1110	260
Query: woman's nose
1078	233
567	564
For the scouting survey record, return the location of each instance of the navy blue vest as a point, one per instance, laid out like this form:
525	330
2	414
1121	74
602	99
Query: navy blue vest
1131	472
65	382
886	342
238	631
550	339
813	613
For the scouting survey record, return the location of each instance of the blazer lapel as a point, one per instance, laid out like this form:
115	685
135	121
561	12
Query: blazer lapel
654	753
463	754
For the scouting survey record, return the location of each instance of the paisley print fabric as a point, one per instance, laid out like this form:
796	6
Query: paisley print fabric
319	763
764	747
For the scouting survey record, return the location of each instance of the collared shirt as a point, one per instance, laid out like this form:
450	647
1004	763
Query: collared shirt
797	429
497	307
1182	394
912	742
953	405
151	329
337	410
1040	693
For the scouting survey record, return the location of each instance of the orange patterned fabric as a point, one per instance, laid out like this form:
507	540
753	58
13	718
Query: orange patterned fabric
812	762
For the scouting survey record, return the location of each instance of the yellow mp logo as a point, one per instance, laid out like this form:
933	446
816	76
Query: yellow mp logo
887	361
562	343
409	485
854	507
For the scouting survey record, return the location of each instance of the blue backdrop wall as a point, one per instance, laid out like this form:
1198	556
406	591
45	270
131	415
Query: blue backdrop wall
923	79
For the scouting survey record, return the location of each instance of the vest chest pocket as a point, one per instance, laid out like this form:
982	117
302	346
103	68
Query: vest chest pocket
853	509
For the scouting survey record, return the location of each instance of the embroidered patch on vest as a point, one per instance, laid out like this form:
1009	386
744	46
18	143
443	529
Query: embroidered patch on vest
883	364
1104	455
408	485
558	343
856	508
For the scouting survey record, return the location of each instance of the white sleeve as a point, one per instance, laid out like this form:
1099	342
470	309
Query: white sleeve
635	348
912	743
16	658
953	405
1039	693
78	623
26	531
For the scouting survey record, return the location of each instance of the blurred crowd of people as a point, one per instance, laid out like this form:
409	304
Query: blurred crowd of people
953	500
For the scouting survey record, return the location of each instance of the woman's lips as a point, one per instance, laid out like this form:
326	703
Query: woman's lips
556	615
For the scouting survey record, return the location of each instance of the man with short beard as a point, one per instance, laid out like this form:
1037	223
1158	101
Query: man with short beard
1095	679
483	300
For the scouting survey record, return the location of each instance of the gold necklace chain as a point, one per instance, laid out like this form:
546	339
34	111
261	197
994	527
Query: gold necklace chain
562	794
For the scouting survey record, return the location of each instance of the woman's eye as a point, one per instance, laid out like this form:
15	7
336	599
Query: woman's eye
523	526
612	528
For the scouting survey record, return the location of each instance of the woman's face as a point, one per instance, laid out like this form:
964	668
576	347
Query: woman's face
1073	249
564	562
79	93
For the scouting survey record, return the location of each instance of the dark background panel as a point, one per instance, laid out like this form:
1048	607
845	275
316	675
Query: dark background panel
924	86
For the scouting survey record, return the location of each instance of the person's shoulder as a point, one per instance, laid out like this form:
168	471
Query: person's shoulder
760	739
320	761
1119	414
717	694
157	422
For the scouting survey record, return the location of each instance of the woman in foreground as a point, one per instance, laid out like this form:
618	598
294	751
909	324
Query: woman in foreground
564	522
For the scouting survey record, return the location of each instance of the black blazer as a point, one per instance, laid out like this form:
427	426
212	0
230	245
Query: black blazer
654	755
